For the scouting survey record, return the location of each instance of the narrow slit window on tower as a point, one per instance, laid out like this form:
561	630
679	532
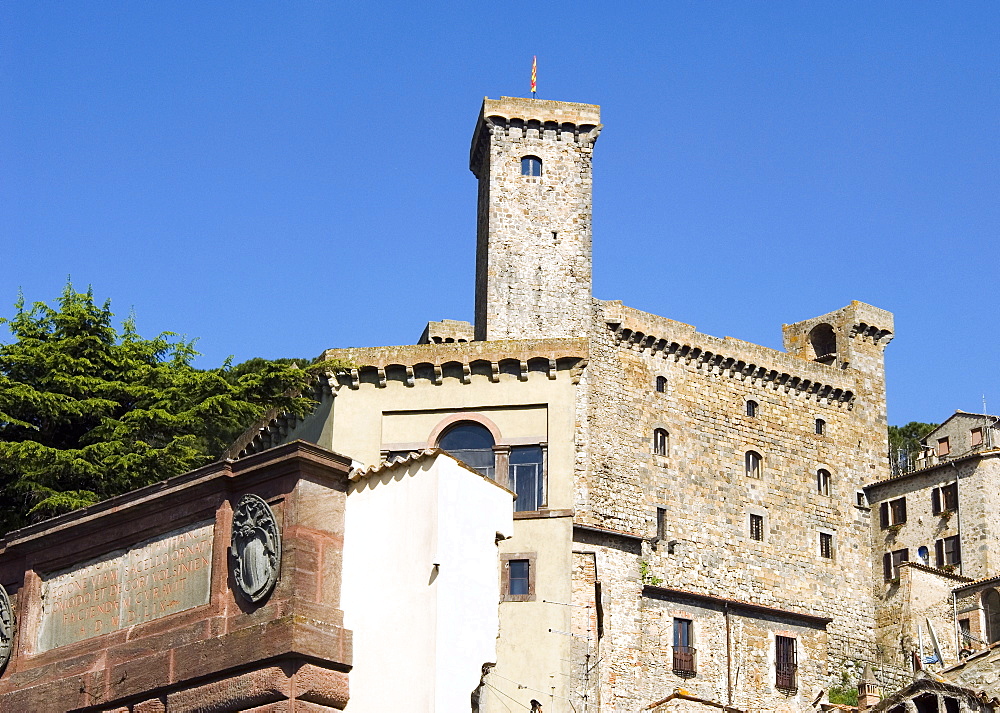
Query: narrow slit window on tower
826	545
820	427
752	464
531	166
661	384
823	481
661	442
752	408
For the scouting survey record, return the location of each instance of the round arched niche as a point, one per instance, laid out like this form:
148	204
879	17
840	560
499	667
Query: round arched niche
991	610
823	341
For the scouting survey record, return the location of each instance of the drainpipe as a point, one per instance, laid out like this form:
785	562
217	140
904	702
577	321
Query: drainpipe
729	658
961	561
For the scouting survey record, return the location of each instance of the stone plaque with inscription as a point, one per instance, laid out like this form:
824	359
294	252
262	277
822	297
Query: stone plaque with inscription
153	579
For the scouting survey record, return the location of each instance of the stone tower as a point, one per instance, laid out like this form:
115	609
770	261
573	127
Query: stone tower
533	254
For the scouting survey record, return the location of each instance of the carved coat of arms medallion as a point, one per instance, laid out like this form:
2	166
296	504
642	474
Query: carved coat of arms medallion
256	548
6	628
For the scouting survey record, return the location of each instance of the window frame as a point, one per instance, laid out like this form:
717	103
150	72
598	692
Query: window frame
786	662
976	437
824	482
752	408
890	565
529	162
826	548
661	442
684	655
505	559
947	552
661	384
757	471
541	482
892	512
943	446
944	498
820	427
756	526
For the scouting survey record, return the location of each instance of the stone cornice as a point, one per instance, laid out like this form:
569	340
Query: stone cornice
435	362
630	335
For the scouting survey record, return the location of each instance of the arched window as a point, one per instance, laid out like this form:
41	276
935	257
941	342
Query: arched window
661	384
823	481
531	166
751	408
991	608
820	427
472	444
823	340
661	442
752	463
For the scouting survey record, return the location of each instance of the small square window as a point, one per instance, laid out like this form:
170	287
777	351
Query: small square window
820	427
947	552
943	446
826	545
517	577
757	527
892	513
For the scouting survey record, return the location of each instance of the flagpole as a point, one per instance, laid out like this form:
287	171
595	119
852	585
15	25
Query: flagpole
534	74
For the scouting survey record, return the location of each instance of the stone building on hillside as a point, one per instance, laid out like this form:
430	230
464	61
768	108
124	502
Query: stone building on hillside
935	537
690	509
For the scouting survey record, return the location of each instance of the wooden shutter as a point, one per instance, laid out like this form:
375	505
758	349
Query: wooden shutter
903	509
887	566
939	553
936	500
883	515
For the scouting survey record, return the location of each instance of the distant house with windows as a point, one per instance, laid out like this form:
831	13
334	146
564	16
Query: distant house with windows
936	537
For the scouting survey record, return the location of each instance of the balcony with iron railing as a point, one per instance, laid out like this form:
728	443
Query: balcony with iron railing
685	661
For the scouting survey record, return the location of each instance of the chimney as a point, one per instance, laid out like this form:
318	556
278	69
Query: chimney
868	694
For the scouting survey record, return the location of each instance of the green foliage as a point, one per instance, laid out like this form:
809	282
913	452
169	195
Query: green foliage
846	694
647	576
907	439
87	412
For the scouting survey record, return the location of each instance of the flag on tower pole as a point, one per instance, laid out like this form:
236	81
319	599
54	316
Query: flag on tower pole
534	74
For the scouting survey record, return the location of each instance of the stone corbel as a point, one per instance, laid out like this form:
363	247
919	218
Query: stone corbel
408	380
552	368
355	382
494	371
381	377
437	375
523	373
466	374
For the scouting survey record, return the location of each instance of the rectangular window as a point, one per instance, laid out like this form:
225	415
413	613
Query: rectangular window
823	482
977	437
661	524
526	477
660	442
684	652
826	545
892	512
943	446
947	551
965	629
757	527
891	562
785	662
517	577
945	498
820	427
861	499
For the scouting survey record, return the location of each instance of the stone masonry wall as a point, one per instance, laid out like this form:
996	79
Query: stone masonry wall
701	482
533	265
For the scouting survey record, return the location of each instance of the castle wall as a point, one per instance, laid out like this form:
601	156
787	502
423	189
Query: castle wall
701	482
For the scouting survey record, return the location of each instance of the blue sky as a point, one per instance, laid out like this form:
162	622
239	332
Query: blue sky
280	178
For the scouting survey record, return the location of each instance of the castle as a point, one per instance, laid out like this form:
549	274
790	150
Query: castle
697	522
690	509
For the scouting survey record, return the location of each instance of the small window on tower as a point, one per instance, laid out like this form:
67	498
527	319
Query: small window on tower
661	442
823	481
757	527
531	166
820	427
752	464
661	384
751	408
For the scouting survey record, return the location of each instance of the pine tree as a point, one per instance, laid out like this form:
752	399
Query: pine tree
87	412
